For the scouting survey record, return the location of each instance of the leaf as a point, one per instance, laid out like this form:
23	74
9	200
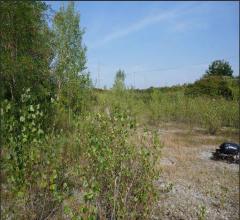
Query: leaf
40	131
43	184
31	108
53	187
65	185
22	118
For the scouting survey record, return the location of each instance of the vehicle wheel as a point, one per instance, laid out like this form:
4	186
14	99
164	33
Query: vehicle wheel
230	159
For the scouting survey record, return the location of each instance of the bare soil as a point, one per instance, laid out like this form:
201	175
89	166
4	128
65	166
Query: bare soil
192	184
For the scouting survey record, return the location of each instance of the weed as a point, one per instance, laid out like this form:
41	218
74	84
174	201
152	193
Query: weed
202	212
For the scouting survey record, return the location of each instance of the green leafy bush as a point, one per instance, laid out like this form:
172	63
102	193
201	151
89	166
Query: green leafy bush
31	161
117	175
212	86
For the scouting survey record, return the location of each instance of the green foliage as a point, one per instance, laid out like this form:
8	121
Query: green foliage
219	68
45	87
70	54
233	84
69	62
32	167
25	49
155	105
202	212
174	106
211	118
166	107
217	82
117	175
119	84
212	86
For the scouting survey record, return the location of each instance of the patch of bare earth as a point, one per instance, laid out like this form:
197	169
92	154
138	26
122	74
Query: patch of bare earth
192	185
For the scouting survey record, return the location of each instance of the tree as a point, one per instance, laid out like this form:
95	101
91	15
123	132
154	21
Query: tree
25	49
70	53
119	83
219	68
69	63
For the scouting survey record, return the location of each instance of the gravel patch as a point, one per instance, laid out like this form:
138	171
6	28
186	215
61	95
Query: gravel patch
183	201
206	155
167	161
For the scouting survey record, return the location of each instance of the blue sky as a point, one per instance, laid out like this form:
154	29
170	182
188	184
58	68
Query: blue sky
157	43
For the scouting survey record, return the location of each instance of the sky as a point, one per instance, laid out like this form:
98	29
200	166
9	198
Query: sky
157	43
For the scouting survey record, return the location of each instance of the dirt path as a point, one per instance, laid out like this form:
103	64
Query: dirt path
193	186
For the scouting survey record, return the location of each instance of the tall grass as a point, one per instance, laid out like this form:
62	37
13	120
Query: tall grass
157	106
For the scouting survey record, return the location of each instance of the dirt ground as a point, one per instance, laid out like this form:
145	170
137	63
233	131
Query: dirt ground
192	185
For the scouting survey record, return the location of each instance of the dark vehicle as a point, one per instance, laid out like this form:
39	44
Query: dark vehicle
228	151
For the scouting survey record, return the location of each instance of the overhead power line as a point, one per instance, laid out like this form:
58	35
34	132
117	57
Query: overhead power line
176	68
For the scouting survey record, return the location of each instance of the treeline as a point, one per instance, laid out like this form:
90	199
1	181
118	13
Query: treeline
212	102
217	82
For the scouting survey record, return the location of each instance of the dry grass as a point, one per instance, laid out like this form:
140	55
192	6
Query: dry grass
194	185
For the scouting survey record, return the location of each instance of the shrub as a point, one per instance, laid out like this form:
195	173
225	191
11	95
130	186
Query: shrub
117	176
31	161
211	86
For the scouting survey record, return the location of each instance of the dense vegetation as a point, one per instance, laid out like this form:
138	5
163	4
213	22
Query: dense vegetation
173	105
55	144
71	150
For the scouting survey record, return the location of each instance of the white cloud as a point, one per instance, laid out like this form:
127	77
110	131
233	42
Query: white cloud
171	16
134	27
